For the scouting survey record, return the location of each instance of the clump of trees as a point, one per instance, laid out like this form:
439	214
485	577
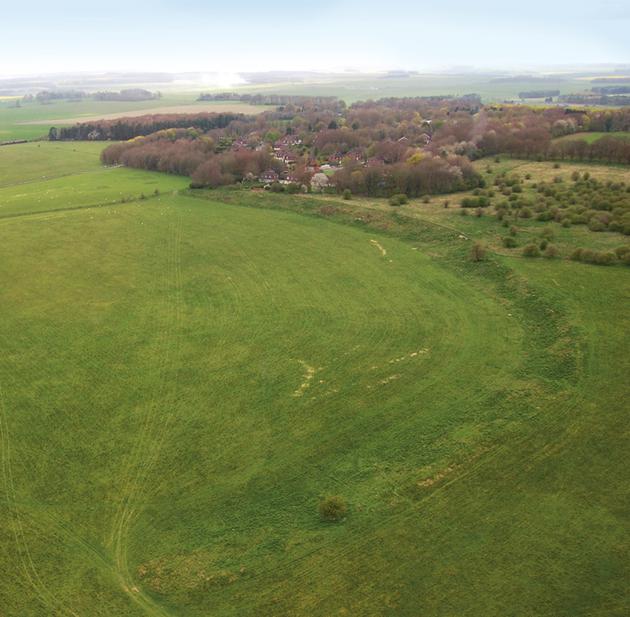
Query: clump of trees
48	96
130	94
600	258
186	152
121	129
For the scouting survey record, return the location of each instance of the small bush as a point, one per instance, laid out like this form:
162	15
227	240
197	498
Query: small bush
509	242
622	251
547	233
596	225
478	252
347	194
531	250
426	199
332	508
398	199
551	252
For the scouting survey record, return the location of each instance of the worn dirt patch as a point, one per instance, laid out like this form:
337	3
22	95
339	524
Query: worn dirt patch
309	373
379	246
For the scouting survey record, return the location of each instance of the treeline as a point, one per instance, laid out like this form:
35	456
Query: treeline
538	94
47	96
188	153
277	100
607	149
122	129
594	99
611	89
466	102
413	178
130	94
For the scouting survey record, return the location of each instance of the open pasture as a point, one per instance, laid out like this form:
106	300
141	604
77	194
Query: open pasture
183	378
32	120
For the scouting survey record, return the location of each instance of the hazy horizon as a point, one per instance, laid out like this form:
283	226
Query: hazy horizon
189	36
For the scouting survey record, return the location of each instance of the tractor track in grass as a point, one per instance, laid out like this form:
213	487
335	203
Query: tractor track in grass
29	569
152	433
478	464
553	426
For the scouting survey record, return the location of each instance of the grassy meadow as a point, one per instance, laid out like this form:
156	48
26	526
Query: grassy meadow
592	136
184	377
32	120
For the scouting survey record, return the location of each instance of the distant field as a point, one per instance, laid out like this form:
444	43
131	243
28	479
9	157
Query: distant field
352	88
31	120
183	377
546	171
594	136
217	107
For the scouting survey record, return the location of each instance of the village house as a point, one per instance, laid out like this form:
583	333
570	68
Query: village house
269	176
287	157
288	141
335	159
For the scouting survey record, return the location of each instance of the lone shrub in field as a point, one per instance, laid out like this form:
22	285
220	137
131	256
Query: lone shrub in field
509	242
551	252
531	250
478	252
347	194
332	508
398	200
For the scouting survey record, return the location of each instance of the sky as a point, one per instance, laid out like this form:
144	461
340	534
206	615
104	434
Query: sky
44	36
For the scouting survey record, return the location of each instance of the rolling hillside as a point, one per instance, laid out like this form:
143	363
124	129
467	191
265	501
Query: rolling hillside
184	378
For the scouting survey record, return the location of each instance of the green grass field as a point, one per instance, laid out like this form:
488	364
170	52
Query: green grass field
594	136
183	377
33	120
356	87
